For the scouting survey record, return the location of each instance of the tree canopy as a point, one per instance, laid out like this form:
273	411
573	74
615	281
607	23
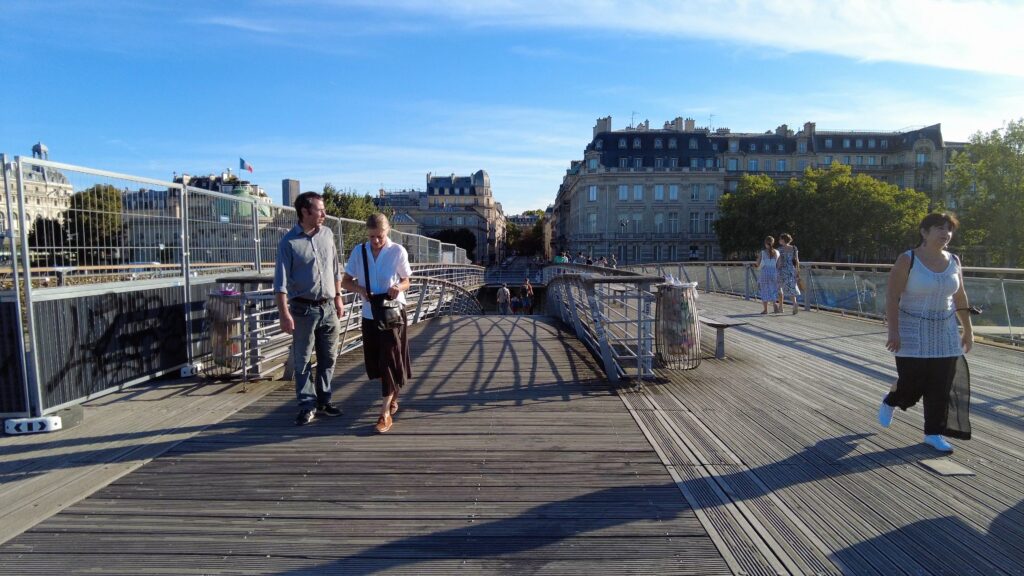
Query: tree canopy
831	214
461	237
350	205
987	183
94	224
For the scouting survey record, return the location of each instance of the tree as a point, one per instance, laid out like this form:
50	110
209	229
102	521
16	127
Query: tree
833	215
351	205
47	236
987	183
461	237
93	224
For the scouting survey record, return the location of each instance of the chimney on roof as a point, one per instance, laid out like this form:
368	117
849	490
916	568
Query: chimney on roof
690	125
808	129
603	125
782	130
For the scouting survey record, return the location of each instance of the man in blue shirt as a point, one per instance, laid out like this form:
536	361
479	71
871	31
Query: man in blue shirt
307	289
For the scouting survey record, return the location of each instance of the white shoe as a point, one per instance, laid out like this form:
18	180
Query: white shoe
938	442
885	413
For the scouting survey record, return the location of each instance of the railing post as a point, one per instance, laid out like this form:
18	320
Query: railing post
597	315
184	232
707	278
35	396
419	303
256	237
747	271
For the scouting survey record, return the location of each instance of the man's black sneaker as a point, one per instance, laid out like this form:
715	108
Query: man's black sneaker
305	417
329	410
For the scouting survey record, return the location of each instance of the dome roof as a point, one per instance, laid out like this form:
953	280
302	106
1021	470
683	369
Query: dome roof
480	178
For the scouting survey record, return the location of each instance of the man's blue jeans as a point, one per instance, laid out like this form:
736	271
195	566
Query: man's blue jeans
316	327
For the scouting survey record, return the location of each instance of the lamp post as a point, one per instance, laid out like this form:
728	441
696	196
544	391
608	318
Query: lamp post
625	253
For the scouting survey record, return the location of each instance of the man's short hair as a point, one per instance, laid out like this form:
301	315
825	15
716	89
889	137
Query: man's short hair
305	200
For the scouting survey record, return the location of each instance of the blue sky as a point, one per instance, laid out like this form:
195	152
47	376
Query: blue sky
361	96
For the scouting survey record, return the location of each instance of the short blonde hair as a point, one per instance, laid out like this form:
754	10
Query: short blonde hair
377	221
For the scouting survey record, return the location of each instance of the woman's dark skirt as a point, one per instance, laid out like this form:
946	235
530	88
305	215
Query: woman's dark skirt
944	384
386	355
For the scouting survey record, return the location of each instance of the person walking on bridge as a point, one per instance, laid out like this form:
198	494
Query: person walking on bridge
504	300
925	298
379	270
768	275
307	290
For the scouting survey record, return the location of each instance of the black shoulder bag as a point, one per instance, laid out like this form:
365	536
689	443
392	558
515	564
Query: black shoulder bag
386	313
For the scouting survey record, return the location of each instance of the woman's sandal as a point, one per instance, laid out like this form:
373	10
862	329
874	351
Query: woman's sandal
384	423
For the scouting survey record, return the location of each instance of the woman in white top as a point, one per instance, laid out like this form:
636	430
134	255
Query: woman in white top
924	300
768	275
385	351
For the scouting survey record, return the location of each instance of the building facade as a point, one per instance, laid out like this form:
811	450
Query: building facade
453	202
47	194
652	195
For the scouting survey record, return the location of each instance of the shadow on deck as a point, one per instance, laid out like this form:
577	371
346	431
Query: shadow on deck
512	454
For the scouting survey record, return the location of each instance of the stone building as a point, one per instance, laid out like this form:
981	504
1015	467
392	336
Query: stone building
651	195
47	193
453	202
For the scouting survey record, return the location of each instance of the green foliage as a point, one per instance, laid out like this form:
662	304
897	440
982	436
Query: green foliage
987	183
526	241
351	205
831	214
93	223
46	232
461	237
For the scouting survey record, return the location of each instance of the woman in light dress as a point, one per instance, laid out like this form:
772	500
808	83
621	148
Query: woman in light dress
768	275
789	271
925	299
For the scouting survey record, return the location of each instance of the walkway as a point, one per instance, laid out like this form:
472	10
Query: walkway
512	455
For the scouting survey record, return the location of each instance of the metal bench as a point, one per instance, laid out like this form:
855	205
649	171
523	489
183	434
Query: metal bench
720	324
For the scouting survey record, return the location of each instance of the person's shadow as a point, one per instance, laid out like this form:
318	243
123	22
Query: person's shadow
945	545
590	518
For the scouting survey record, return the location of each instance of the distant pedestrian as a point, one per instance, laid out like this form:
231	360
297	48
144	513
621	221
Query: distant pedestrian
789	270
504	300
603	262
613	262
925	299
768	275
528	291
307	290
379	271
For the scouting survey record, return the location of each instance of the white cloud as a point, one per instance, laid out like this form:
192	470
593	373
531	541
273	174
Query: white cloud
974	35
245	24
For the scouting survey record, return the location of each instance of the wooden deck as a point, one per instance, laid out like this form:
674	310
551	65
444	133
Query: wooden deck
512	455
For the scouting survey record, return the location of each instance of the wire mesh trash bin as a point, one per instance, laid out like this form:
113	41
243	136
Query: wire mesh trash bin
677	326
224	324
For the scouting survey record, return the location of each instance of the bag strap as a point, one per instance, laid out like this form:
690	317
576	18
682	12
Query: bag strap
366	270
913	256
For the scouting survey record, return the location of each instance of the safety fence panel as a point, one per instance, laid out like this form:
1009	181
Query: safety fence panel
272	228
13	384
221	236
88	343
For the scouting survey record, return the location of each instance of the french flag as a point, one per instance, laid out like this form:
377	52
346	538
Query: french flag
243	165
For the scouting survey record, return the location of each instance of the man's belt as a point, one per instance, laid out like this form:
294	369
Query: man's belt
311	302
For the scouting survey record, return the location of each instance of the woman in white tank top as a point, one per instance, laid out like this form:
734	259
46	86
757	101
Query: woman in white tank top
925	298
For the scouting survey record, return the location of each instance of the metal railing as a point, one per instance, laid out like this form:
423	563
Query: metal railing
104	276
610	311
249	330
860	289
